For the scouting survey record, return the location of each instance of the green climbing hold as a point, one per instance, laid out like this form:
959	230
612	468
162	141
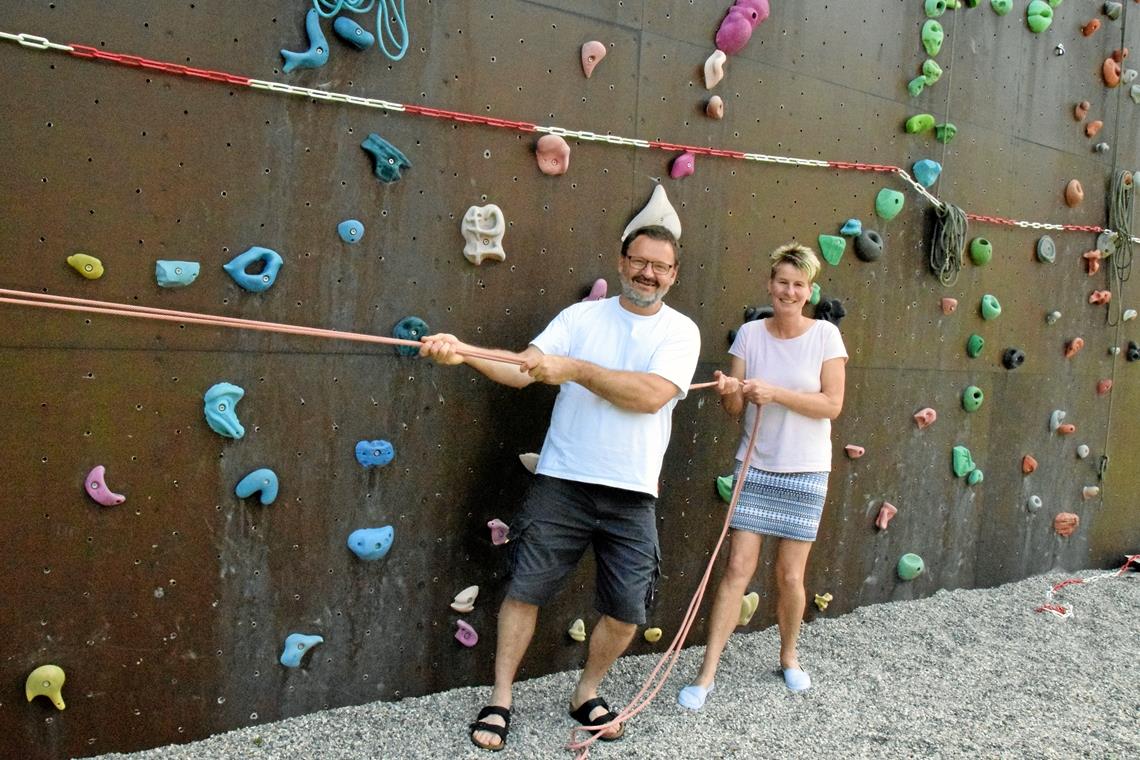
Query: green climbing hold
931	71
972	398
972	3
724	486
888	203
975	345
813	299
932	36
963	462
832	247
991	309
1001	7
910	566
944	133
1039	15
981	251
975	477
935	8
916	86
920	122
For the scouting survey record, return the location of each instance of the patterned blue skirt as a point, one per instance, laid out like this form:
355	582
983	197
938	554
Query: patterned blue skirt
782	504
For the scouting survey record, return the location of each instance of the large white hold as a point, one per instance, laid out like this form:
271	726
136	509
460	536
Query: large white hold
659	211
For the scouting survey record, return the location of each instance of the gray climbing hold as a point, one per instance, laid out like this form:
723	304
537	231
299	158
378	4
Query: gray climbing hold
1033	503
387	158
262	482
318	53
1113	10
350	230
869	246
220	408
176	274
1046	250
1052	317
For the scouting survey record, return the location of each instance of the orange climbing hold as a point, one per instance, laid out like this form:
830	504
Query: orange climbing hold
1028	464
1110	72
1065	524
949	305
1093	127
1074	193
1073	346
1092	260
886	512
1103	387
1090	28
1067	428
1081	110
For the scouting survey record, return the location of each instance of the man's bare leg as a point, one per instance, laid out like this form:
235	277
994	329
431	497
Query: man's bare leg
611	637
516	627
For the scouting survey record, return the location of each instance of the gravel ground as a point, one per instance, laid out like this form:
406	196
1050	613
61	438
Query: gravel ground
972	673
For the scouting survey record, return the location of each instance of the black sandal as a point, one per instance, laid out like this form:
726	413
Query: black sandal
499	731
582	715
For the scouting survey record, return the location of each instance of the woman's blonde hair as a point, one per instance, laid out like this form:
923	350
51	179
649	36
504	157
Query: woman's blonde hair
799	256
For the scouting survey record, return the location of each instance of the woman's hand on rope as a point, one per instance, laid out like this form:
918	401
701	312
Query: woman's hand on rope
442	348
759	392
726	385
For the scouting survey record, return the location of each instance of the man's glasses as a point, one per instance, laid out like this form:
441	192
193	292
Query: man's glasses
659	267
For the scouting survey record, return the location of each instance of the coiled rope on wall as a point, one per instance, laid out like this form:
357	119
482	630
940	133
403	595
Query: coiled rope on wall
84	51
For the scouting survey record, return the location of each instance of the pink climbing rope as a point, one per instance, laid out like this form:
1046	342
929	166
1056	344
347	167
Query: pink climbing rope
1064	612
674	651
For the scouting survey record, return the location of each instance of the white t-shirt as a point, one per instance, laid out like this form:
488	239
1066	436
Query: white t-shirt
787	441
592	441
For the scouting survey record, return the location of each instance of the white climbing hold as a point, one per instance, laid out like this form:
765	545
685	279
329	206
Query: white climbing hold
659	211
464	601
483	228
714	69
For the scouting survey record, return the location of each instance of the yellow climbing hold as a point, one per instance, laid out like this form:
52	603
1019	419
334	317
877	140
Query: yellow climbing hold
46	681
88	266
821	600
578	630
748	607
652	635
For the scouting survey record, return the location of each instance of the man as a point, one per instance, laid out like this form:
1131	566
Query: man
622	363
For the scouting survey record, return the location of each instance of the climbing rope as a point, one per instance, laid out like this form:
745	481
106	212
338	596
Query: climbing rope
946	246
385	19
84	51
1064	612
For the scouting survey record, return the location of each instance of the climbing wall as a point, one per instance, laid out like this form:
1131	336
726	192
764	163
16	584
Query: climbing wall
168	612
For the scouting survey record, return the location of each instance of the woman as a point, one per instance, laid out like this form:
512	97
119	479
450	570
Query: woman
790	370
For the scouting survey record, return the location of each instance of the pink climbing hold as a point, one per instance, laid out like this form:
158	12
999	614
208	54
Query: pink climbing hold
886	512
1028	465
949	305
592	54
96	486
466	634
1092	261
552	154
1067	428
714	109
499	531
853	451
924	418
735	30
1103	387
1100	297
683	165
597	291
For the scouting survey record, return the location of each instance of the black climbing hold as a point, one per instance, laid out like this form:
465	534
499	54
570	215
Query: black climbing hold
1012	358
869	246
1133	351
830	310
752	313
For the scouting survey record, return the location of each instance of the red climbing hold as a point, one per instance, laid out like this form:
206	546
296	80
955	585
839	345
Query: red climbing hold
1028	464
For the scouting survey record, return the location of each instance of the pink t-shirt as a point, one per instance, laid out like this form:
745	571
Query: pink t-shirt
787	441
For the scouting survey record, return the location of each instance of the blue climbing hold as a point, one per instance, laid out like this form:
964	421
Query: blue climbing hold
387	157
176	274
409	328
221	409
297	644
350	230
318	53
926	171
374	453
353	33
263	481
371	543
257	282
852	228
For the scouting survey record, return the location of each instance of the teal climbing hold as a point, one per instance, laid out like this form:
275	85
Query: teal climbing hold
974	345
975	477
963	462
724	485
920	122
888	203
350	230
318	53
371	543
1001	7
926	171
409	328
1039	16
176	274
916	86
353	33
851	228
944	133
910	566
931	71
981	251
813	299
387	158
297	644
262	482
1046	250
932	35
935	8
832	247
972	398
991	309
220	408
255	282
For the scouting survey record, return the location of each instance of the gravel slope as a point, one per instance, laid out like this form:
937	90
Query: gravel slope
963	673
